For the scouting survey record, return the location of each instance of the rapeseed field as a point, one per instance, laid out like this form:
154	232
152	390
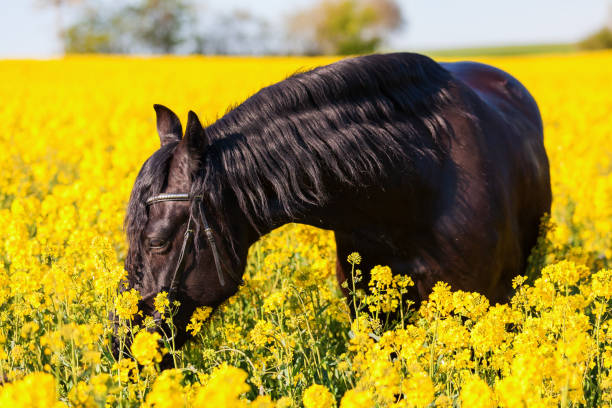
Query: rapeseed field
74	133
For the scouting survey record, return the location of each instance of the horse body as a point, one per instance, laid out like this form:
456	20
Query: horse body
438	171
481	221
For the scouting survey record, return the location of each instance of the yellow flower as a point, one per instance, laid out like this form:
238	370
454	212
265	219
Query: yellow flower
224	387
161	303
357	399
565	273
318	396
418	390
263	401
198	318
386	290
284	402
263	333
354	258
489	333
146	348
381	275
476	393
34	390
601	283
126	369
167	391
440	302
81	396
274	301
126	304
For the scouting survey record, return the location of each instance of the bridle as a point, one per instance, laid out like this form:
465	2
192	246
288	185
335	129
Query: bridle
178	271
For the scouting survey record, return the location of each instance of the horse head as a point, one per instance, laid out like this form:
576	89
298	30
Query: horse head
175	246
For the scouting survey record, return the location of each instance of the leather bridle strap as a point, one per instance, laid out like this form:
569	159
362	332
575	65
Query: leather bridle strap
176	277
213	246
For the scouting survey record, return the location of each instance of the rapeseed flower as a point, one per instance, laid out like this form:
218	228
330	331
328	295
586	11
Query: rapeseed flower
318	396
66	172
197	319
146	348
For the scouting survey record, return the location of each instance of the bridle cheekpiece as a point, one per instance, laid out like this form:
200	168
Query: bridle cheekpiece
176	277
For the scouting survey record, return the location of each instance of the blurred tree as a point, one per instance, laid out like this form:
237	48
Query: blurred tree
96	32
236	32
145	26
345	26
598	40
160	25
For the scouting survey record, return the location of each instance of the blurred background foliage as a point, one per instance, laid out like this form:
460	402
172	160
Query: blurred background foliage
337	27
599	40
326	27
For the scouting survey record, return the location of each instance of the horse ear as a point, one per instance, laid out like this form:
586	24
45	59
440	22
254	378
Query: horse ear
168	125
195	136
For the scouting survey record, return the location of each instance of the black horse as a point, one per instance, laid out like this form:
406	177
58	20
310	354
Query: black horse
437	170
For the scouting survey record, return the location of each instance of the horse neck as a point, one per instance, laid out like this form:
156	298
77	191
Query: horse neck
337	212
265	187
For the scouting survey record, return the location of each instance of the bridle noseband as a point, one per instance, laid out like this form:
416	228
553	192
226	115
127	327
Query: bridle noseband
176	277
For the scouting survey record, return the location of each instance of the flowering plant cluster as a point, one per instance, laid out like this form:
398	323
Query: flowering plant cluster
75	132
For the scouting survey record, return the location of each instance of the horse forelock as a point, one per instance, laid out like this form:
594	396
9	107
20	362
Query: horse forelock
150	181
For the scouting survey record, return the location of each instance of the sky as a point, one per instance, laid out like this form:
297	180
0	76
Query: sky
27	30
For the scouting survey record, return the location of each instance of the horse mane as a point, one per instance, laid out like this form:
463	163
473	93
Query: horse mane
292	144
350	124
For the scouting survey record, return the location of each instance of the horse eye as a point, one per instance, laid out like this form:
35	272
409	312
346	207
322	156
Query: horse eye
156	243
